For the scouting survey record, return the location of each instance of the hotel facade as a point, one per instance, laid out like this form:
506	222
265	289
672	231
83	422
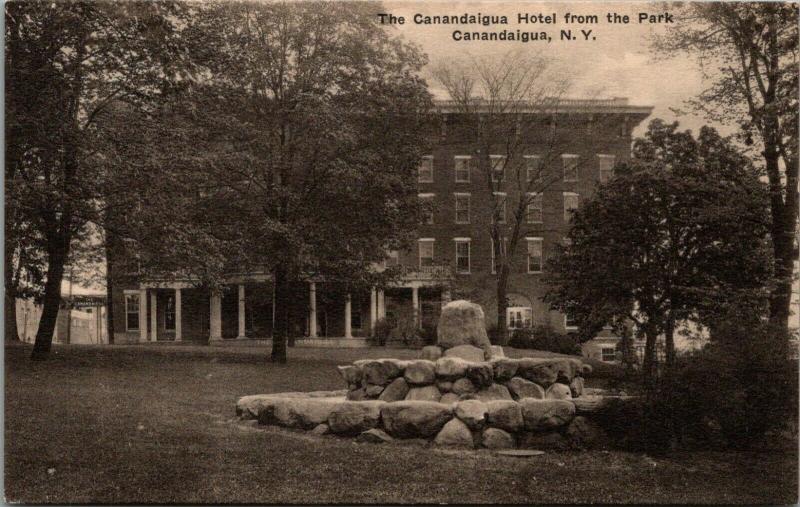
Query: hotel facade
452	256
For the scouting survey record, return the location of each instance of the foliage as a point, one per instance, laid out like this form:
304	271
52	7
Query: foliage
680	233
494	334
404	328
428	334
381	332
748	52
544	337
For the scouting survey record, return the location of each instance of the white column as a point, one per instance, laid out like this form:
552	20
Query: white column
348	331
373	309
153	316
381	304
215	315
178	323
142	315
312	310
415	304
241	312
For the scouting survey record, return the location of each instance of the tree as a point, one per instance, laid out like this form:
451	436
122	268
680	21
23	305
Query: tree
678	234
292	150
749	51
66	63
501	100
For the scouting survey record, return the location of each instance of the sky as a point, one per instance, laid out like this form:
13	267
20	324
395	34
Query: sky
618	63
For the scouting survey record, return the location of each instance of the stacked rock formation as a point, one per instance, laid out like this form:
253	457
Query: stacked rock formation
462	392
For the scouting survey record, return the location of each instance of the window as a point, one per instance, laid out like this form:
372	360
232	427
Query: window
463	165
392	258
425	252
462	208
498	167
169	314
426	170
462	255
427	210
570	205
503	245
569	320
519	317
608	354
131	312
500	207
534	255
605	164
533	213
570	167
533	168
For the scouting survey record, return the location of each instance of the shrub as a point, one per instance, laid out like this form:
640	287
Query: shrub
495	336
428	334
545	338
380	333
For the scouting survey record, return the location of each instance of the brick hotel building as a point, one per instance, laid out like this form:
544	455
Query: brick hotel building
451	258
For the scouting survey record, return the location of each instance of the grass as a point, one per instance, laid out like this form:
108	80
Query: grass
156	424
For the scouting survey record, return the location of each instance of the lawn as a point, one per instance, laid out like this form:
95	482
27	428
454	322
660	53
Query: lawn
143	424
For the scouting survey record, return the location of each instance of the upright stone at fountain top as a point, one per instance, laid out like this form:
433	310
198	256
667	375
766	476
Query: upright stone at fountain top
462	323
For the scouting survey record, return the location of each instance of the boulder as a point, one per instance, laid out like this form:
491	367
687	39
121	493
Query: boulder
553	441
462	323
497	351
493	392
505	415
248	407
472	413
495	438
420	372
480	374
415	419
463	386
427	393
521	388
303	413
587	404
558	392
373	391
449	368
546	414
380	372
352	418
449	398
584	433
546	372
504	369
445	386
431	352
576	386
321	429
467	353
374	436
357	394
351	374
395	391
454	434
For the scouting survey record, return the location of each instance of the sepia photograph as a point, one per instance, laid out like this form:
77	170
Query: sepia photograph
401	252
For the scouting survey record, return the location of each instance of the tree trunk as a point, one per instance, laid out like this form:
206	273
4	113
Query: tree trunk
50	304
669	342
502	306
281	324
650	360
10	306
109	293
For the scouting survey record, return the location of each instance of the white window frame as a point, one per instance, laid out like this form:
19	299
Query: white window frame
528	175
426	160
456	196
468	159
426	241
502	172
463	241
535	196
129	295
527	317
601	170
528	242
572	158
568	211
504	208
429	220
567	326
604	349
